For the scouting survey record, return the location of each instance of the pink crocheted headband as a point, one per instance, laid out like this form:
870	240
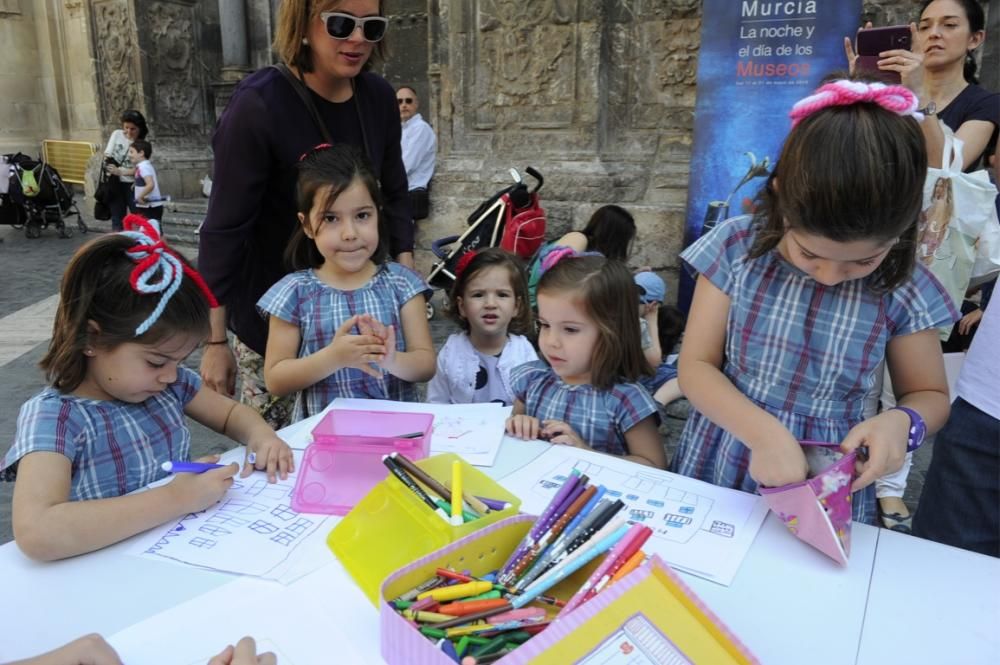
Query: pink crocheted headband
559	253
896	98
154	259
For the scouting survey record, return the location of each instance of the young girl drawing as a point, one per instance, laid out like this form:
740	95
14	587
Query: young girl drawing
795	308
489	300
586	393
348	323
130	311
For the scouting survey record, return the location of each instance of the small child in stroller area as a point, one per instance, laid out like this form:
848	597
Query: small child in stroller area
148	200
660	326
489	300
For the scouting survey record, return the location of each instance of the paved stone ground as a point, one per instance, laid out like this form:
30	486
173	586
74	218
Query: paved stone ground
30	271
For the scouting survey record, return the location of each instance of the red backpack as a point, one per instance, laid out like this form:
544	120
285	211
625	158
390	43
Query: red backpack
523	230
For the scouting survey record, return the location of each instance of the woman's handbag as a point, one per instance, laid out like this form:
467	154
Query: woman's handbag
104	194
959	237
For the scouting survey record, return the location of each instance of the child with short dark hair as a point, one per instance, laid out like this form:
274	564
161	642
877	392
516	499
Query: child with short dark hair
585	393
130	310
148	199
796	307
489	300
662	326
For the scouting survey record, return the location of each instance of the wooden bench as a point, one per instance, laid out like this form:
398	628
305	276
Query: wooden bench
69	158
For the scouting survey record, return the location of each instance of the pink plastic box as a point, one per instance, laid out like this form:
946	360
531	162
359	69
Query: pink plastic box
344	460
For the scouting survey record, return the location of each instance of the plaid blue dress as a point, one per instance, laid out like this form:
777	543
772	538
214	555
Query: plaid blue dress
115	447
804	352
318	309
600	417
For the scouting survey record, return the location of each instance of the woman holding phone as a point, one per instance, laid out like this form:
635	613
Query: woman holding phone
941	71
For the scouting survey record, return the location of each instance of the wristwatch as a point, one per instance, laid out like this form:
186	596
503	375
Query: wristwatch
918	428
930	109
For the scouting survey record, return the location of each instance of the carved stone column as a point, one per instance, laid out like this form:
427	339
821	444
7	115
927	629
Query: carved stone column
233	25
119	80
235	51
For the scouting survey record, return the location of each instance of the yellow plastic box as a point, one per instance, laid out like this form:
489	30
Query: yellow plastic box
390	527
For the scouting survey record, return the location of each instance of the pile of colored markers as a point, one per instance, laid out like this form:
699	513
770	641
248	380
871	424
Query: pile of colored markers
488	617
453	505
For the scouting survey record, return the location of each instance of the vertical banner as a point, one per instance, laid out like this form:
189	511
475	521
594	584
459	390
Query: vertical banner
757	58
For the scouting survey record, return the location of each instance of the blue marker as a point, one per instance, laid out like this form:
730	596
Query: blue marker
189	467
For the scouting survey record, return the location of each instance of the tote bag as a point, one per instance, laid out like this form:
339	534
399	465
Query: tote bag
959	234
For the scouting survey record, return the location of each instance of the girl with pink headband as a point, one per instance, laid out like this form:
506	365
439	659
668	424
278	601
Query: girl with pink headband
131	310
796	307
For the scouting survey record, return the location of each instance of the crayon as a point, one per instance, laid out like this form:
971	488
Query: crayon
461	608
423	586
456	493
457	591
454	575
426	617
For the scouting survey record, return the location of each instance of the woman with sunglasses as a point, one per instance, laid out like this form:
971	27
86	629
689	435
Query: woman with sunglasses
327	47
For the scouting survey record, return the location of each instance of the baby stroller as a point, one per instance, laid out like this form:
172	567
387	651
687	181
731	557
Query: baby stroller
511	219
34	196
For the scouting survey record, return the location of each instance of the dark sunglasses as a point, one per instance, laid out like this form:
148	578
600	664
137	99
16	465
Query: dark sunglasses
342	26
404	100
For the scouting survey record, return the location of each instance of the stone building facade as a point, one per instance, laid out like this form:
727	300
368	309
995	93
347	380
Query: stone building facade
598	95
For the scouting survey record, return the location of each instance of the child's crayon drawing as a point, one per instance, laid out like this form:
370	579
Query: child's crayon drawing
697	527
251	531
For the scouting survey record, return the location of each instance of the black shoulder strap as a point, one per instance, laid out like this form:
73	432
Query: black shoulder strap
299	85
303	92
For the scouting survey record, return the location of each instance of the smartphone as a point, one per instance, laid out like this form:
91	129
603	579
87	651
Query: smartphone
872	41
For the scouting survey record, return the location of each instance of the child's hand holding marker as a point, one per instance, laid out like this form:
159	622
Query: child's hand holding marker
200	484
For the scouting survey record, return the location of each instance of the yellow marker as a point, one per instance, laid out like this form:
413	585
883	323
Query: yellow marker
456	494
456	591
427	617
471	629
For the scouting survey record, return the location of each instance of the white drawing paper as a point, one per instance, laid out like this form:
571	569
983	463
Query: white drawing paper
473	431
287	620
697	527
251	531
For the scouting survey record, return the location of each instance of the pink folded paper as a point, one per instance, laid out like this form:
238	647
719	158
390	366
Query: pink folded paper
818	510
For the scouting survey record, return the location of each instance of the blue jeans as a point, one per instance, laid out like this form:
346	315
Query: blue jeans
960	504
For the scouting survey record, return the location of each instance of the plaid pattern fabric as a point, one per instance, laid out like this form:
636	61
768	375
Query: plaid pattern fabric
318	310
804	352
115	447
600	417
